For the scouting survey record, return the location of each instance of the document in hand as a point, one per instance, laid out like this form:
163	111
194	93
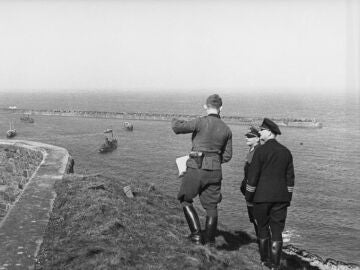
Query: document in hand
181	164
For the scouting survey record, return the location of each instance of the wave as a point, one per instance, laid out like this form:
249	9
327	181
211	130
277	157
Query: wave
296	258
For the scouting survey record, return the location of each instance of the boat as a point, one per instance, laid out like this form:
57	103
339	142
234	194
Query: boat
11	132
27	119
110	144
128	126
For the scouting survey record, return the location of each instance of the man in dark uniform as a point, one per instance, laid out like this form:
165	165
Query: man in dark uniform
211	146
270	186
253	141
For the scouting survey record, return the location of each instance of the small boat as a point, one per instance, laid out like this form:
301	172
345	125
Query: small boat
27	119
110	144
128	126
11	132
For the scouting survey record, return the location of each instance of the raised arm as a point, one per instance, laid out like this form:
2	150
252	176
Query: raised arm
183	126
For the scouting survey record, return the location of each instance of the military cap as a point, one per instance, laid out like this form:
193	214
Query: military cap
270	125
253	132
214	100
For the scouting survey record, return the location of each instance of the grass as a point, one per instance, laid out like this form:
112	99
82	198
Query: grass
95	226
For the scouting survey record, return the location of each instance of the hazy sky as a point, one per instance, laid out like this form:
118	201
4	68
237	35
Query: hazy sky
160	44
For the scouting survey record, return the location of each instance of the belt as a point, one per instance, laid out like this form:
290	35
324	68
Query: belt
204	153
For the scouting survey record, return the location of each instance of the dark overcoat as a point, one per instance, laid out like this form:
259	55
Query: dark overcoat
271	174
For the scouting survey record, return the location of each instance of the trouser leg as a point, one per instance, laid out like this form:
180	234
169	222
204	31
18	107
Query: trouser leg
262	219
278	214
193	221
250	209
277	220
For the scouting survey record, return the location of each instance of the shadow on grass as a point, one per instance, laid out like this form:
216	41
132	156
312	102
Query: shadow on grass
234	240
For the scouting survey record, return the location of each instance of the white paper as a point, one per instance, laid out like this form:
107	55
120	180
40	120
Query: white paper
181	164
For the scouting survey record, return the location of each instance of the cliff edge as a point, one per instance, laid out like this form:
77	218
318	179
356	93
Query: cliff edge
94	225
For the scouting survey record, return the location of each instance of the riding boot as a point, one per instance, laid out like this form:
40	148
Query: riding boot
275	254
194	223
210	230
264	250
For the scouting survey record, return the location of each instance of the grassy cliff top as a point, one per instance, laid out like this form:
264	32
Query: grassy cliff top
95	226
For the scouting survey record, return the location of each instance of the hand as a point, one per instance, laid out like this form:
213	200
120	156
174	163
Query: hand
243	187
250	204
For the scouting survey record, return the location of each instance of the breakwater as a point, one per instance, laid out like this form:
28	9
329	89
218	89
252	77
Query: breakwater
17	165
235	120
23	226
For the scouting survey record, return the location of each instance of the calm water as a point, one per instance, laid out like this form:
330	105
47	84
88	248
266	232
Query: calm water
324	215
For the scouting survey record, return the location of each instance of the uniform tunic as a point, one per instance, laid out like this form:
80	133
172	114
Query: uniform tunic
248	160
203	176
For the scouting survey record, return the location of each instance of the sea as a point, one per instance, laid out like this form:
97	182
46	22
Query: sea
324	216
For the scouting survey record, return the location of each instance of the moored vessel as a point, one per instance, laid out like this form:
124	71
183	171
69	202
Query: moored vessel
11	132
110	144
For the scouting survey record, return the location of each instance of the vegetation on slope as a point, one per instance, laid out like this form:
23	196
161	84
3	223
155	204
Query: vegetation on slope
95	226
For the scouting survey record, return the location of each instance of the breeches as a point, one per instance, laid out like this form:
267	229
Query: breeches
206	184
270	218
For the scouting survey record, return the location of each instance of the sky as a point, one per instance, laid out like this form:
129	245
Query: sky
247	45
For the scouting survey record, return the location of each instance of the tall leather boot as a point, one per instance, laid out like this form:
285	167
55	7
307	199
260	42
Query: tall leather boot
193	221
210	230
264	250
276	249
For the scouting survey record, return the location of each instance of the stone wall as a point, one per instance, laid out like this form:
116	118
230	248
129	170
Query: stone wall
23	226
17	165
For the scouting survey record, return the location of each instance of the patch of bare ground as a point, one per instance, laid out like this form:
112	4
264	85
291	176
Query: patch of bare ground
95	226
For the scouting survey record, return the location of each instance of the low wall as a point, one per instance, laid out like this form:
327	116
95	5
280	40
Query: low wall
17	165
23	226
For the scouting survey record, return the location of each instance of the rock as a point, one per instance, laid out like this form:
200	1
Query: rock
97	187
128	192
151	187
10	168
4	206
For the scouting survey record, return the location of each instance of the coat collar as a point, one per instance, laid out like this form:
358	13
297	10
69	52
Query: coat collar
271	141
214	114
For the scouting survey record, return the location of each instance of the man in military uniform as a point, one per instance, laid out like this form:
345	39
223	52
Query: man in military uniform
270	187
253	141
211	146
